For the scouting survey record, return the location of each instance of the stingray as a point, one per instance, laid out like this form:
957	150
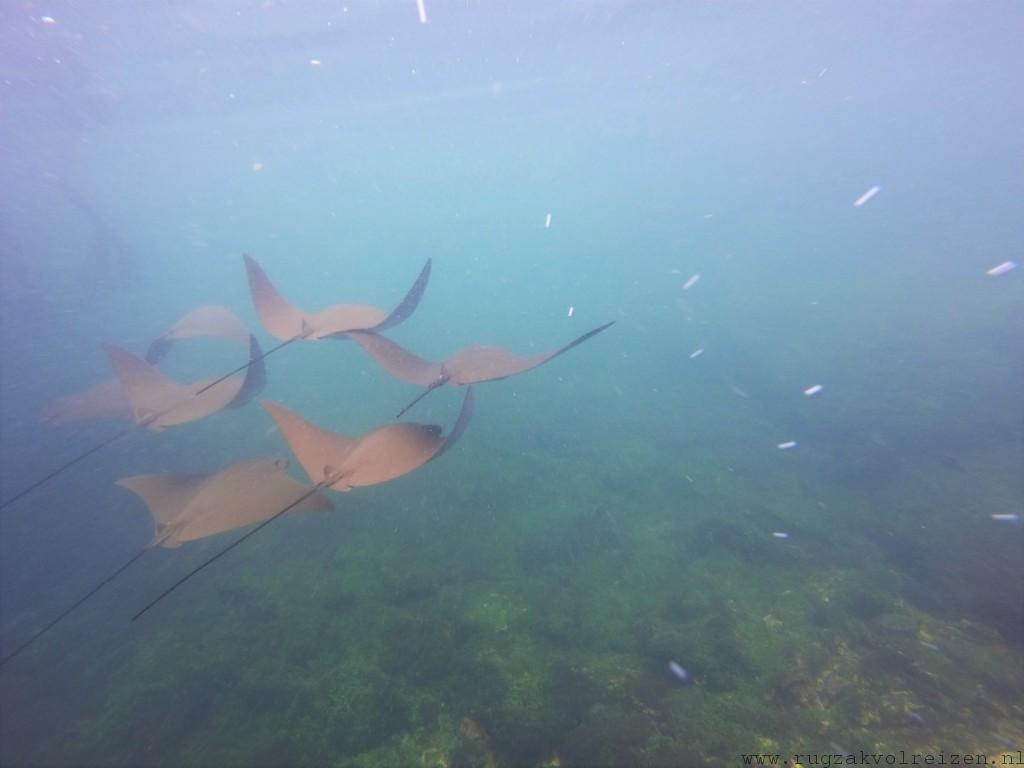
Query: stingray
340	462
156	401
107	399
103	400
211	320
471	365
289	324
189	507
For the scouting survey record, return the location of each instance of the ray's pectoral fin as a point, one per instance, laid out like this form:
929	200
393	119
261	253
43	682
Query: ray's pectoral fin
281	319
408	305
255	376
465	414
158	350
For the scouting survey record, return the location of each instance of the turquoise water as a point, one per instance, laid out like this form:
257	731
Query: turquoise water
517	601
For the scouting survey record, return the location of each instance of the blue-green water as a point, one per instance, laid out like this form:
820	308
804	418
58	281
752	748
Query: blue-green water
517	602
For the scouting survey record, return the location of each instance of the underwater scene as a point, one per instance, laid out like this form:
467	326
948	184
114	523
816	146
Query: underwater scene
454	384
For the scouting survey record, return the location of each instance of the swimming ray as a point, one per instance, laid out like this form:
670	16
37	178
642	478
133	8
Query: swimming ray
209	320
289	324
339	462
106	399
103	400
472	365
283	321
189	507
156	401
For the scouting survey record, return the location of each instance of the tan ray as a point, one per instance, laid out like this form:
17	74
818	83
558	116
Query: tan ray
341	462
471	365
103	400
382	454
210	320
157	401
189	507
285	321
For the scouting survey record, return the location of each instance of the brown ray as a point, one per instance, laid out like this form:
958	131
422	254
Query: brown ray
285	322
471	365
340	462
158	401
154	401
211	320
102	401
189	507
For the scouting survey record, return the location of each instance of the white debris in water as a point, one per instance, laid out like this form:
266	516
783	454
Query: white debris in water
691	282
1006	516
822	73
571	310
422	11
812	391
678	672
866	196
257	166
676	271
780	535
1001	269
697	353
787	445
547	221
47	19
315	62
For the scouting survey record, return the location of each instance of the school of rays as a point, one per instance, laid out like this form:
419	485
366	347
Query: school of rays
256	491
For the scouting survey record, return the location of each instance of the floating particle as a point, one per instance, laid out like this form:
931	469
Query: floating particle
571	310
315	62
740	392
257	166
812	391
547	221
676	271
422	11
697	353
930	646
866	196
780	535
787	445
1001	269
678	672
47	19
822	73
1007	517
691	282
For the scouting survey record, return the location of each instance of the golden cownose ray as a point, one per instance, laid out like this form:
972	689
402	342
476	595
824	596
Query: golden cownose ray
471	365
284	321
211	320
340	463
106	399
103	400
156	401
289	324
189	507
